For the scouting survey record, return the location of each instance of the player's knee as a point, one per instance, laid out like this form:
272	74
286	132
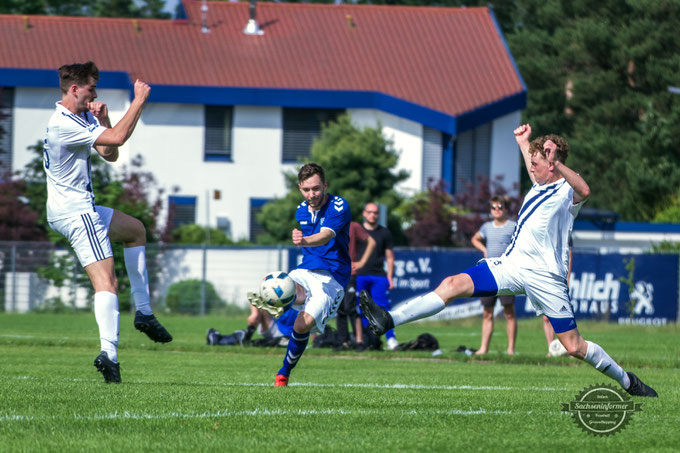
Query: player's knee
139	231
574	350
509	311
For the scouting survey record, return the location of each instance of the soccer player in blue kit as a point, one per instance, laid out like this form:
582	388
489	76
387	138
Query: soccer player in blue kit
535	263
325	269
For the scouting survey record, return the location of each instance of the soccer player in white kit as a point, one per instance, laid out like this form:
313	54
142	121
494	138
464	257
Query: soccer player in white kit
535	263
78	125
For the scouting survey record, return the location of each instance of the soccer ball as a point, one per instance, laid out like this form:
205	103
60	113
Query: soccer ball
556	348
277	289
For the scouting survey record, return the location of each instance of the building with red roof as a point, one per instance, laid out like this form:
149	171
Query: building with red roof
226	105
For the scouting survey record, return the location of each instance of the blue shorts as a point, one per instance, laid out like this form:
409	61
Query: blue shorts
547	292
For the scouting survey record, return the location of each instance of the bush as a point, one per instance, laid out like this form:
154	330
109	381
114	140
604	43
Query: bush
185	297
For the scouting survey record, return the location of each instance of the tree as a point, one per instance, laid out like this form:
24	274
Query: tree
598	75
435	218
92	8
359	165
18	222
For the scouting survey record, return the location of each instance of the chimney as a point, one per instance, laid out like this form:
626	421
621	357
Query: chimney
204	17
252	28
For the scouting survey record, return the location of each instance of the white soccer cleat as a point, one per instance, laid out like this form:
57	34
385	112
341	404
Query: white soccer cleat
392	344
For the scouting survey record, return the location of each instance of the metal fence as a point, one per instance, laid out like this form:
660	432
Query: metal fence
34	275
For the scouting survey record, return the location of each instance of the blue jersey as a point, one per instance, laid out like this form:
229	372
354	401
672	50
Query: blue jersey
334	256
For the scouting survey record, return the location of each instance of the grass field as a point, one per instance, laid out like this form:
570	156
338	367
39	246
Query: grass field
186	396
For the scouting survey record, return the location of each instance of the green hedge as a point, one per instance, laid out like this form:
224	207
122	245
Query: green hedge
185	297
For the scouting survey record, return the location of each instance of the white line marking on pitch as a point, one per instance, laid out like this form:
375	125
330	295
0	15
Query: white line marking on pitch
315	384
257	412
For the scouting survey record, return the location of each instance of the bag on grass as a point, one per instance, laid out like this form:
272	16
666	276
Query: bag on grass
424	342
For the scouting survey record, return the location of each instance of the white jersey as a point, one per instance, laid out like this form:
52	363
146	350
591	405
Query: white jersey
68	145
544	224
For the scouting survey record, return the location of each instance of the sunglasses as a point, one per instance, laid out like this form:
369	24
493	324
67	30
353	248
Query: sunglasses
496	206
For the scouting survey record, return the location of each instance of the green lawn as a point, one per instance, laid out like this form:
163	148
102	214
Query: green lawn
186	396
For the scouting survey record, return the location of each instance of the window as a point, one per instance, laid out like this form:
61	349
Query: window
256	228
181	211
6	106
217	137
473	154
301	127
432	156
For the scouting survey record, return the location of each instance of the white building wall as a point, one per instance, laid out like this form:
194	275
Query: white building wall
170	137
408	141
506	158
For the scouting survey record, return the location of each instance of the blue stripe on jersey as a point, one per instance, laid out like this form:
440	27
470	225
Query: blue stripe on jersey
77	119
92	236
526	205
521	223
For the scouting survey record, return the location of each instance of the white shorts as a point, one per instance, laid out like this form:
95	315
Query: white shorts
547	292
324	295
88	234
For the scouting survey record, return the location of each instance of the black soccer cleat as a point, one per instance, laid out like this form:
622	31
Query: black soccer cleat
212	337
153	329
639	388
108	368
379	320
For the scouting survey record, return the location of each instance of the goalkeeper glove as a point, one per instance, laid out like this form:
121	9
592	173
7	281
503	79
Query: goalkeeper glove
258	302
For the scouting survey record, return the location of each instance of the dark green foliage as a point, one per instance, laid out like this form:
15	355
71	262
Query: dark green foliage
185	297
94	8
598	75
359	165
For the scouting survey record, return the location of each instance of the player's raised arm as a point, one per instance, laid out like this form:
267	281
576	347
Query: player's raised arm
314	240
522	135
108	142
580	186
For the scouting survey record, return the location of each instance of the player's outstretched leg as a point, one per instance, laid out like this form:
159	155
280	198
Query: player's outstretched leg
379	319
145	321
595	355
296	346
639	388
153	329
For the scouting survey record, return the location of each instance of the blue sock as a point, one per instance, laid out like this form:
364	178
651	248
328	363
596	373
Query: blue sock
296	346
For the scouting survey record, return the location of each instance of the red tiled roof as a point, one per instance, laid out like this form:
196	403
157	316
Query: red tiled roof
447	59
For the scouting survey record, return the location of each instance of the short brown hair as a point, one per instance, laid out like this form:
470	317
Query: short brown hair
505	203
78	74
309	170
561	153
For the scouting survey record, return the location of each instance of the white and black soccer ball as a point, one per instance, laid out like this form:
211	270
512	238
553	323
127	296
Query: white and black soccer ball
556	349
277	289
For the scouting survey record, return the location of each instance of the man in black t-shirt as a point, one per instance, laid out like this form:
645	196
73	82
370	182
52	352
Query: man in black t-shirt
375	277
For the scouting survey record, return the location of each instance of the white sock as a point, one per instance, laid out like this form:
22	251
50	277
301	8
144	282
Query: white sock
597	357
106	314
135	263
419	307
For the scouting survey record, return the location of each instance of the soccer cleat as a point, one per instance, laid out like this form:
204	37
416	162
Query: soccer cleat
211	337
281	381
392	344
108	368
639	388
380	321
153	329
